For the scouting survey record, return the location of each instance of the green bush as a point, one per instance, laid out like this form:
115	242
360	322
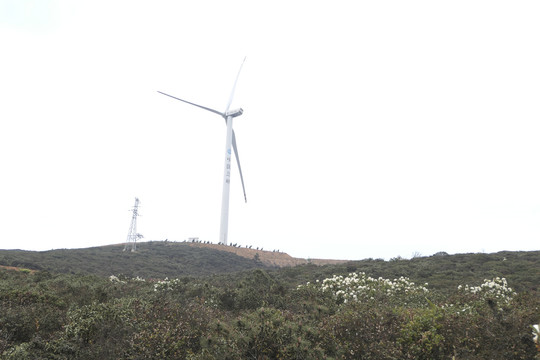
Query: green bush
264	334
421	336
361	331
96	331
264	314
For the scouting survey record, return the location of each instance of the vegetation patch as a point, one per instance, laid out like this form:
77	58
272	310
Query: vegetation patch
424	308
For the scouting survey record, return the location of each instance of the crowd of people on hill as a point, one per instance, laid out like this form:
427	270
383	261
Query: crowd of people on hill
197	240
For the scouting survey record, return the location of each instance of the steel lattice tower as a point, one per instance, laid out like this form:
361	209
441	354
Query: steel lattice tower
131	241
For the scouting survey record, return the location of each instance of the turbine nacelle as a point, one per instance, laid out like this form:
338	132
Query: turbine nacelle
234	113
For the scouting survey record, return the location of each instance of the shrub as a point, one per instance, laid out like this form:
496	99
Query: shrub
264	334
358	287
169	330
98	330
360	330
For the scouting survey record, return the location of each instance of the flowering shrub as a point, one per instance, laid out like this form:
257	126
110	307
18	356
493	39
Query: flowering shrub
115	279
260	315
360	287
180	288
496	290
166	284
535	333
123	280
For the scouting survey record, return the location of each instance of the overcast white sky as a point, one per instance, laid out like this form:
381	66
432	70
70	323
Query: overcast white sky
370	128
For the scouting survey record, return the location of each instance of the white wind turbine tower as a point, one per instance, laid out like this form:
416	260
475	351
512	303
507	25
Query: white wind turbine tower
230	140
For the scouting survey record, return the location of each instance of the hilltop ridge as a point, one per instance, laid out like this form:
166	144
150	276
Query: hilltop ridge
154	259
161	259
269	258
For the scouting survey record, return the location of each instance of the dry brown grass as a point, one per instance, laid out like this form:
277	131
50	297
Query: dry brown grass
17	269
270	258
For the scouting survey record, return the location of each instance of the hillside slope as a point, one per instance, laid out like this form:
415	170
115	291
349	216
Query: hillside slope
443	272
160	259
152	260
157	259
51	315
269	258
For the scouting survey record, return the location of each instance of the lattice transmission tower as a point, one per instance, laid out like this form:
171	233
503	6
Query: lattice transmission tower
131	241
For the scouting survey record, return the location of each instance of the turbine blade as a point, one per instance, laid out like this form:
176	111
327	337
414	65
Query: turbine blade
238	162
234	87
200	106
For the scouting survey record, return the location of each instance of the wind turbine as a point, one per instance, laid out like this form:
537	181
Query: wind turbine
230	140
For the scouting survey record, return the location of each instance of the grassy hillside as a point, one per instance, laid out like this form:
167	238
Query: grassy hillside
307	311
270	258
151	260
443	272
170	259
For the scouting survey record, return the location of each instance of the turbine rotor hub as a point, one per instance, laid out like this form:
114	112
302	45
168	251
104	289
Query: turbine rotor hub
234	113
